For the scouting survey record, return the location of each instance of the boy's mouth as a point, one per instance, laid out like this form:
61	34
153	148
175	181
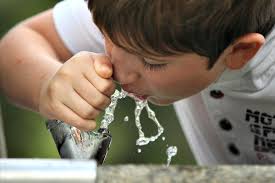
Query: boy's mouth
140	97
132	93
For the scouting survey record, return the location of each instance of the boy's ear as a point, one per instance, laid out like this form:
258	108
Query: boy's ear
243	49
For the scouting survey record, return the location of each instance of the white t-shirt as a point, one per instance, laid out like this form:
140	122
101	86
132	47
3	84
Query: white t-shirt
74	24
230	122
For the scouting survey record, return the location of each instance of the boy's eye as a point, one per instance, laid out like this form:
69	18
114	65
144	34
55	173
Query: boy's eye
153	67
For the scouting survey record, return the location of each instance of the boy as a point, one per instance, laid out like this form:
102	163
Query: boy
216	54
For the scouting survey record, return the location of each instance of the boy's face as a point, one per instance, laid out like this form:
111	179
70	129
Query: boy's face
162	80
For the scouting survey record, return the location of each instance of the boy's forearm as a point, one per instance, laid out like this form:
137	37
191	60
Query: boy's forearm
27	60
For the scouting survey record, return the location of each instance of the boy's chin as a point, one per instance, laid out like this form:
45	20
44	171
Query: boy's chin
160	101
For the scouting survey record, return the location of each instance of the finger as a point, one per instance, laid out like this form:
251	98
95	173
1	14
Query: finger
79	106
105	86
65	114
90	94
103	66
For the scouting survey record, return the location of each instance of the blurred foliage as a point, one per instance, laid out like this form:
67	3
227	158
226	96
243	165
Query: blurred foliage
27	136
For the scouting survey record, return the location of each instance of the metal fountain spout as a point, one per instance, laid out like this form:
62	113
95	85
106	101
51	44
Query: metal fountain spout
75	144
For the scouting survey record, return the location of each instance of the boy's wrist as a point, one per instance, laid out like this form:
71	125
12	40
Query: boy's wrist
45	79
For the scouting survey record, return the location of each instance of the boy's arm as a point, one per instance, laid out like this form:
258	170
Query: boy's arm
38	72
30	53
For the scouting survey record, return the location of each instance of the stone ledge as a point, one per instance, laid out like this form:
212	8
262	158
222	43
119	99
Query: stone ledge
185	174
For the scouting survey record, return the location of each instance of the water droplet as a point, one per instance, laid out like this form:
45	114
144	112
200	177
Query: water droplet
163	138
171	151
139	150
126	118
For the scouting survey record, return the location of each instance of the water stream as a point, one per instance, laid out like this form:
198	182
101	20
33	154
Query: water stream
140	105
108	118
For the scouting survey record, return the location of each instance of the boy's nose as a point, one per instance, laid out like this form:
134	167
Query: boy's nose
125	71
125	66
124	76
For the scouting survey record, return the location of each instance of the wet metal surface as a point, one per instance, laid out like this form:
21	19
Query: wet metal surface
75	144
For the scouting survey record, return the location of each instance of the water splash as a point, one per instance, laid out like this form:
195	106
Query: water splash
108	117
171	151
140	105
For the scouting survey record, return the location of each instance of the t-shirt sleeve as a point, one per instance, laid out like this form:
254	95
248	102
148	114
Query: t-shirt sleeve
75	26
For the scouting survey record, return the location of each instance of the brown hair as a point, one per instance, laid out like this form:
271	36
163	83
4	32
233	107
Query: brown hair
173	27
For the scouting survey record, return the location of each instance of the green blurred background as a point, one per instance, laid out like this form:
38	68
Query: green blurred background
27	136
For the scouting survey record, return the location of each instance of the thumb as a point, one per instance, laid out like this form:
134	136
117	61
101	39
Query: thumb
103	67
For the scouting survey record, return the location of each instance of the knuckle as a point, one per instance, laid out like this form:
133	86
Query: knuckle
107	102
81	60
102	103
91	125
64	73
53	88
54	107
113	88
81	55
107	88
90	114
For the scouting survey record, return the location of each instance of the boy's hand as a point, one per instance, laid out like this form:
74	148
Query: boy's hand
79	90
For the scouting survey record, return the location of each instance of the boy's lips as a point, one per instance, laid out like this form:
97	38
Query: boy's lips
141	97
